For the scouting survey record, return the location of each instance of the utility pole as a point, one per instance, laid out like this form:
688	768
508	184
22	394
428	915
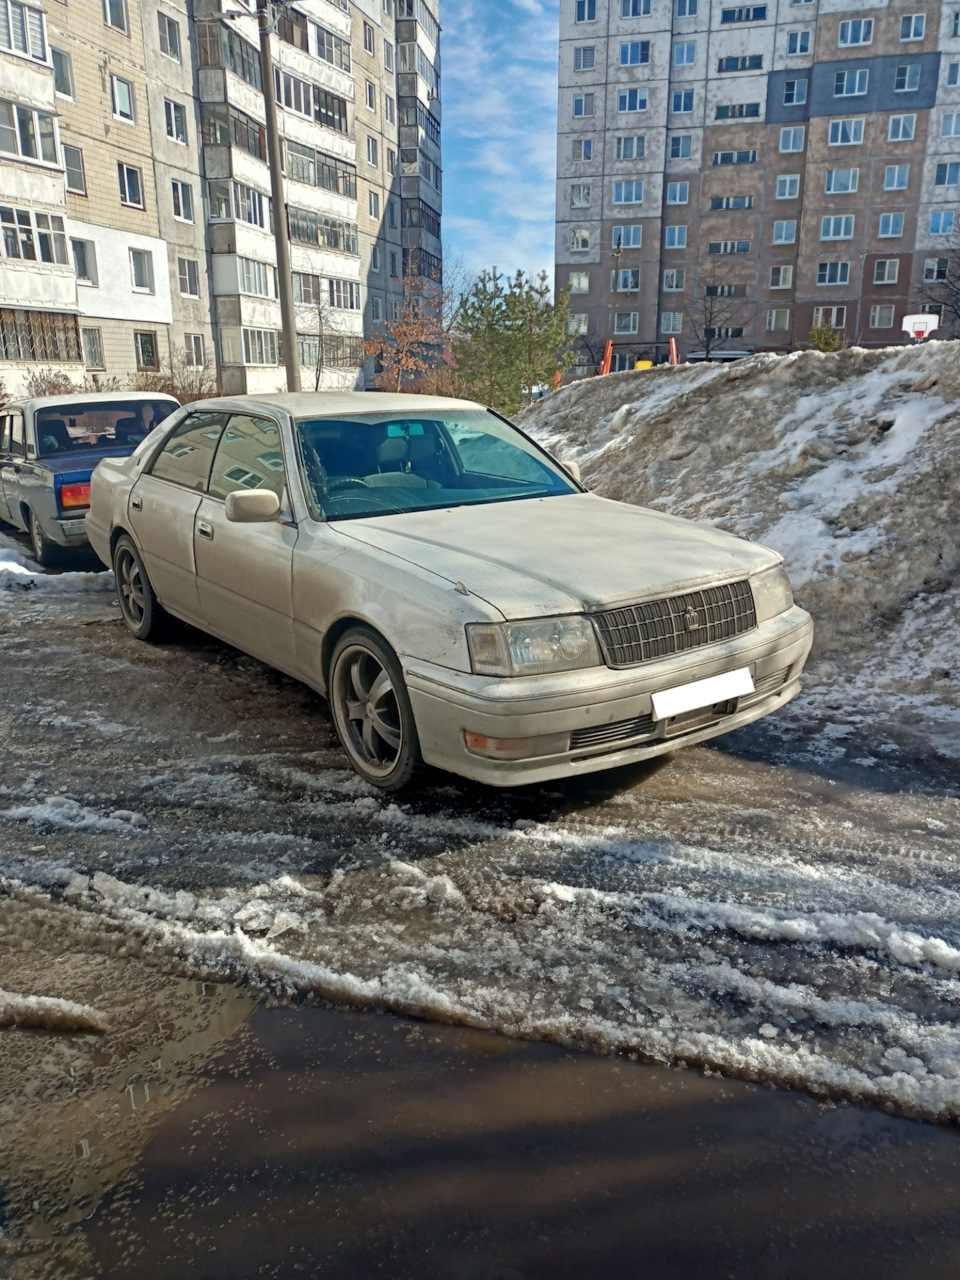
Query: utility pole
288	315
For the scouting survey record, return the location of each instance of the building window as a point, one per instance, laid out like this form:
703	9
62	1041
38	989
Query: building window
731	202
891	225
681	102
941	224
953	75
373	204
344	295
738	111
886	271
778	320
851	84
781	277
633	53
845	133
625	321
115	15
833	273
745	62
391	160
629	237
583	104
370	96
169	37
373	155
788	186
798	43
21	30
122	99
680	146
27	133
176	120
577	324
671	322
911	26
389	109
684	53
62	68
586	11
950	125
376	310
936	270
881	317
583	148
745	13
131	185
307	289
678	192
391	213
728	246
579	281
585	57
792	139
194	350
92	343
784	232
375	259
634	8
675	237
182	201
627	100
84	261
73	163
907	79
794	92
841	181
148	353
141	270
394	269
896	177
835	317
580	195
948	174
686	8
631	147
837	228
673	280
726	291
955	31
369	44
735	157
189	275
628	193
628	280
901	128
856	31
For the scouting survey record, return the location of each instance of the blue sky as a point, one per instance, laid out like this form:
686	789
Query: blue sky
499	95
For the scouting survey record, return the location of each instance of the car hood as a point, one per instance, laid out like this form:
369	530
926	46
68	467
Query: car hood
562	554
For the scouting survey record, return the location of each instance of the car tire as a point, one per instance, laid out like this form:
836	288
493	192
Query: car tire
371	710
46	553
140	609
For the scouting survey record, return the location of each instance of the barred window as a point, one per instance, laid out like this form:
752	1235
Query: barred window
39	335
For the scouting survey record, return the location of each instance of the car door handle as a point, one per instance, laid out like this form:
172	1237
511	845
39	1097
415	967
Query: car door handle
136	502
205	530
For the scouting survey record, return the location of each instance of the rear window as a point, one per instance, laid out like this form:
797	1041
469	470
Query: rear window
117	424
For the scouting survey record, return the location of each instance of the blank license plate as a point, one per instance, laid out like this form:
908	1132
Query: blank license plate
701	693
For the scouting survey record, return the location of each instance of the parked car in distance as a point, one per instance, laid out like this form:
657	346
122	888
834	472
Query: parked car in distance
49	447
451	589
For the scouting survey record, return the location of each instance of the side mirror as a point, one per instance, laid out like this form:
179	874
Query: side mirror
572	469
252	506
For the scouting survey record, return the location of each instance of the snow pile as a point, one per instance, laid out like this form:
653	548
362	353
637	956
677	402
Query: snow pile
18	573
49	1013
64	811
847	463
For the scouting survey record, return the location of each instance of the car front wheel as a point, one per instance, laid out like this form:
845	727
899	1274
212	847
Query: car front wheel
372	711
141	610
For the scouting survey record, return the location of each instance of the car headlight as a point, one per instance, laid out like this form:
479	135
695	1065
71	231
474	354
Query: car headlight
771	592
534	648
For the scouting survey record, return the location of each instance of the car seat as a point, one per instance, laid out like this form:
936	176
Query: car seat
54	437
129	431
394	452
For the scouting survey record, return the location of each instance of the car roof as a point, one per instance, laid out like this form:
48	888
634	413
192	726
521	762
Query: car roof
335	404
98	397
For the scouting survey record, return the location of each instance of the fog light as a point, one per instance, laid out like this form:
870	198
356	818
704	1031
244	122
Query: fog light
547	744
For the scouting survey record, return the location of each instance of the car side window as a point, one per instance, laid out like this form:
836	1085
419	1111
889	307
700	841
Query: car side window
187	454
4	432
249	456
16	434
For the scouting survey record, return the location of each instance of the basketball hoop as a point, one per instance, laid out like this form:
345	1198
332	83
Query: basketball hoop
920	326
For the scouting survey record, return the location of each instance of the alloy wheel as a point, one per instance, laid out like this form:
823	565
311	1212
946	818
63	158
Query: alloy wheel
366	707
130	587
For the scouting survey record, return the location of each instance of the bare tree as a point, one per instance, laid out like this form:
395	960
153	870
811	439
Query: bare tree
941	282
50	382
718	311
187	382
317	320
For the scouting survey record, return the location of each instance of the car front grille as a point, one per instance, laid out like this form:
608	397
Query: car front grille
659	628
601	734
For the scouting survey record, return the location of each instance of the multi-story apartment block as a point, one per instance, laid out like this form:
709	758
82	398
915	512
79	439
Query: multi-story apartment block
135	190
736	173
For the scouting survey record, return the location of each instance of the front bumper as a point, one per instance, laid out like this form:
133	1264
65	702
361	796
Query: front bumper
607	714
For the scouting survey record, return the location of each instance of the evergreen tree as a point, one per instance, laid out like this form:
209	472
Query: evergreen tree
539	329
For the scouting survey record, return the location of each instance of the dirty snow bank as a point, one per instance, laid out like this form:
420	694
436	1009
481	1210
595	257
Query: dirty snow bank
18	573
50	1013
848	464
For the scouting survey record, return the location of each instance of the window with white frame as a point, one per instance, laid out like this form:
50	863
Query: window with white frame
131	185
376	309
907	79
881	317
577	324
675	237
307	289
176	121
792	139
941	223
716	247
248	346
389	109
122	99
62	67
584	57
625	321
370	96
735	157
583	148
629	100
886	270
579	281
901	128
373	153
73	164
634	8
583	104
21	30
344	295
169	37
845	133
188	274
680	145
392	213
27	133
182	200
784	232
839	227
195	354
628	280
681	101
375	259
628	237
947	174
579	239
912	26
896	177
856	31
141	270
115	15
585	11
950	125
936	270
835	317
686	8
373	204
781	277
33	236
891	226
634	53
798	43
630	147
841	181
628	192
678	192
778	320
795	92
788	186
369	39
833	273
737	110
671	322
673	279
685	53
731	202
84	261
851	84
580	195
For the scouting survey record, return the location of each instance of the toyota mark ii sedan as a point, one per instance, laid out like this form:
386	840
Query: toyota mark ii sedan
451	589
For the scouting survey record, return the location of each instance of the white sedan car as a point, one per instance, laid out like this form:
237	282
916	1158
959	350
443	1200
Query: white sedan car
450	588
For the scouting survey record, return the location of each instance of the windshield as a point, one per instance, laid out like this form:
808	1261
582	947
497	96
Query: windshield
378	464
115	424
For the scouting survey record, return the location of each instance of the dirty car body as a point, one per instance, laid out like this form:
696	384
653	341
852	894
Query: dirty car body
49	447
455	594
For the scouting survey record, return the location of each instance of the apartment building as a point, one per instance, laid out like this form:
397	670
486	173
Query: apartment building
135	185
734	174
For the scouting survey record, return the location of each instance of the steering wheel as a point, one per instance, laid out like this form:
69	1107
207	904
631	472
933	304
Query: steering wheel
346	482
